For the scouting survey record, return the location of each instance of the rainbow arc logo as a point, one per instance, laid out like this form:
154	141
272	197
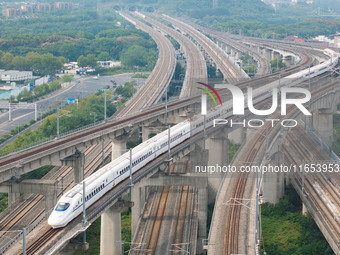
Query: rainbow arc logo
209	93
204	97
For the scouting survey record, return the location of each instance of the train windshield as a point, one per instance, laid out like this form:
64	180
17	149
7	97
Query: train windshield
62	206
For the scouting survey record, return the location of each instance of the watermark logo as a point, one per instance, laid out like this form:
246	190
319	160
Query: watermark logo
204	96
256	96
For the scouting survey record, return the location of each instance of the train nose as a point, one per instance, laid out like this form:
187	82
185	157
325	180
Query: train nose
56	220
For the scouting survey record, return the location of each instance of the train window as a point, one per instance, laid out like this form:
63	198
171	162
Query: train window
62	206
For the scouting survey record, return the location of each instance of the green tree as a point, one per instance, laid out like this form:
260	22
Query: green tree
6	60
277	64
151	62
82	61
50	64
91	60
19	62
179	70
66	78
104	56
127	90
134	56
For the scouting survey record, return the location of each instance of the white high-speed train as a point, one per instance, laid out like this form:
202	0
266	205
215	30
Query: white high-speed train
70	204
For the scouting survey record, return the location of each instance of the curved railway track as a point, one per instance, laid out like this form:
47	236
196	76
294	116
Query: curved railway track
196	68
34	202
310	151
233	215
101	128
161	75
229	70
263	64
39	149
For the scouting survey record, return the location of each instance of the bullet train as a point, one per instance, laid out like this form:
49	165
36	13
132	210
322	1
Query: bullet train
70	205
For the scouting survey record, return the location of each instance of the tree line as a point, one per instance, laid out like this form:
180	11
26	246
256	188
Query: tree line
82	35
40	64
72	116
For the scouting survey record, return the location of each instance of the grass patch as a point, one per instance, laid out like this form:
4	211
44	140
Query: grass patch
37	174
92	237
287	231
140	75
3	202
336	132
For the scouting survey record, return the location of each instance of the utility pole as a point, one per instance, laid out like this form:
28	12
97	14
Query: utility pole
166	106
84	221
131	183
24	241
57	122
169	152
104	106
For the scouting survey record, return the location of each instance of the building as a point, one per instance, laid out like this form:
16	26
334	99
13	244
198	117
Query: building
276	4
324	39
64	6
43	7
27	9
294	38
337	41
17	10
14	75
108	64
12	12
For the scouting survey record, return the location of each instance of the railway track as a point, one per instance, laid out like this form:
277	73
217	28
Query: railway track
113	123
164	226
40	241
18	217
196	68
161	75
229	70
160	212
233	214
264	65
310	151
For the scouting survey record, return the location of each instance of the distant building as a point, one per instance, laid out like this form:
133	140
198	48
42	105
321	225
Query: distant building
337	41
324	39
64	6
108	63
14	75
43	7
27	9
12	12
17	10
294	38
276	4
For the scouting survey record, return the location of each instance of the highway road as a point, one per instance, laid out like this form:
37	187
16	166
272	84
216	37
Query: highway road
82	87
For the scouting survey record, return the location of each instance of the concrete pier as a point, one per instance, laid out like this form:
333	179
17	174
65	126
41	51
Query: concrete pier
323	125
77	162
111	229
